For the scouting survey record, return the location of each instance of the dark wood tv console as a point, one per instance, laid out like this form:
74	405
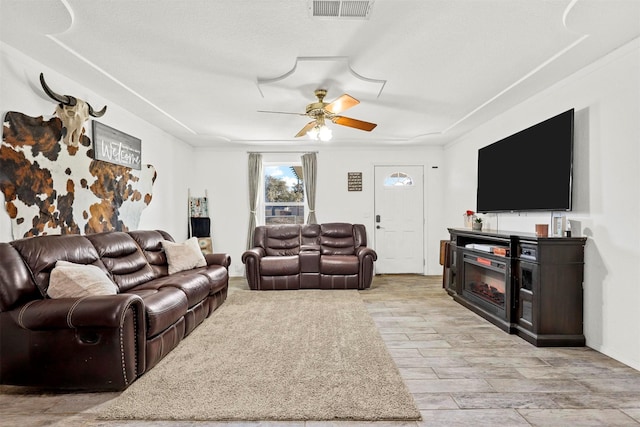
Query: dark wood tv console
524	284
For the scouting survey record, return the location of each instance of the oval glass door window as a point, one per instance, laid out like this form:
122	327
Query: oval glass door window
398	179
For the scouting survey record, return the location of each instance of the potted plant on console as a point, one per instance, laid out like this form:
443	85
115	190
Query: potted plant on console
477	224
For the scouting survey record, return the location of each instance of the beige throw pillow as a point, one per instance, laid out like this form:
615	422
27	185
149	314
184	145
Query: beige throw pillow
183	256
69	280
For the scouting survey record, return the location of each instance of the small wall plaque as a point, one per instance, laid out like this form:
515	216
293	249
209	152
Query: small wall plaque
111	145
354	181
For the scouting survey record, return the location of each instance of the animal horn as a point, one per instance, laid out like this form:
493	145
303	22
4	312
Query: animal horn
63	99
94	113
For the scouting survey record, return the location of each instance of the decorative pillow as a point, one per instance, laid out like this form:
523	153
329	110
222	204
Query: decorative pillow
183	256
69	280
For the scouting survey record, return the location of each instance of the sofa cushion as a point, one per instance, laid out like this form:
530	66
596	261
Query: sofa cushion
41	254
163	307
339	264
150	242
310	235
337	239
15	272
123	258
183	256
217	275
279	265
196	287
69	280
282	240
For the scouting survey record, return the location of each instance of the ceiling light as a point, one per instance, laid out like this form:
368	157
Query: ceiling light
320	132
314	132
325	133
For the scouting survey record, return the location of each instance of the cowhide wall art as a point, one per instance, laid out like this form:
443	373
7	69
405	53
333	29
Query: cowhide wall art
53	188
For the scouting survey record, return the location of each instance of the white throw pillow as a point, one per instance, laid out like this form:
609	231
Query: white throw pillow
69	280
183	256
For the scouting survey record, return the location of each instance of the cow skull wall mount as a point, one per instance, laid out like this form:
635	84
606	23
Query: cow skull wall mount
73	112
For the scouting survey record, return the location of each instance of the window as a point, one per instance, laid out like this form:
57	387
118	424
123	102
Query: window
398	179
283	194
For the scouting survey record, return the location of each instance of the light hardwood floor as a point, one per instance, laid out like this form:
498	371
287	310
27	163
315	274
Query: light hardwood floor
461	370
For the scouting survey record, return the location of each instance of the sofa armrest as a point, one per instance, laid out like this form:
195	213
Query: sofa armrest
364	251
255	253
218	259
105	311
93	343
251	260
367	257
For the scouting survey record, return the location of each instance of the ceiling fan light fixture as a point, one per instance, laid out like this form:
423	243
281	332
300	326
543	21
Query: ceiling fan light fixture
320	132
313	133
325	133
321	111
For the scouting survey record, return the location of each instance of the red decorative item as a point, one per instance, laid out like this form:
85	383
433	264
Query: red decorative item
469	217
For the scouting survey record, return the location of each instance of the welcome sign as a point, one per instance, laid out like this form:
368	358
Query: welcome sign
111	145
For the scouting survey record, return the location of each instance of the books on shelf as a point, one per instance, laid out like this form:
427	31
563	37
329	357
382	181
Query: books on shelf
496	250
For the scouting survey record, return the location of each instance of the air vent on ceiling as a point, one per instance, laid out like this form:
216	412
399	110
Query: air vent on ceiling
341	9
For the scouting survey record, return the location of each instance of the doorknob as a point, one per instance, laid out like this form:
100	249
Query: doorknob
378	227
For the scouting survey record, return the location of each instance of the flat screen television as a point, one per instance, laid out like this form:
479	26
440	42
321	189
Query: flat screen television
530	170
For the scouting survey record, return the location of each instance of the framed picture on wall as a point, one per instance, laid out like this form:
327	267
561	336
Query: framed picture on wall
113	146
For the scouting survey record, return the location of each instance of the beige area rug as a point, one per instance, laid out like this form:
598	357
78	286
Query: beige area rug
274	355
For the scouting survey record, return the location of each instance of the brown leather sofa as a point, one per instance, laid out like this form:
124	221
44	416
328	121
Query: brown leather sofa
321	256
99	342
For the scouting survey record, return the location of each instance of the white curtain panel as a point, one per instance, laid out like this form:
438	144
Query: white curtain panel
310	172
255	176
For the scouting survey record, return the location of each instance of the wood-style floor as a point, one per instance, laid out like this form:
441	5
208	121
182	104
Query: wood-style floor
461	370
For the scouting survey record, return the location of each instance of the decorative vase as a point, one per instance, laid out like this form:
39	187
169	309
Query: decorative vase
476	226
469	220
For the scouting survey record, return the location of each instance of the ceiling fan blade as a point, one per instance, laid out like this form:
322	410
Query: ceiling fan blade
344	102
353	123
281	112
306	129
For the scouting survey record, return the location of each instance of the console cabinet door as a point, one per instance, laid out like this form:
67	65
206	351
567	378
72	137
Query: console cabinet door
528	280
450	268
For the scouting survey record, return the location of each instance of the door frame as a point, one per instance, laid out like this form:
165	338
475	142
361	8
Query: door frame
424	220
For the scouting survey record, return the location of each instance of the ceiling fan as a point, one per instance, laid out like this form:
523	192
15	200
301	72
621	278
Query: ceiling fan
321	111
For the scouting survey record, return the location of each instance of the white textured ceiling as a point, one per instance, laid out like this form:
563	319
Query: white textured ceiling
426	71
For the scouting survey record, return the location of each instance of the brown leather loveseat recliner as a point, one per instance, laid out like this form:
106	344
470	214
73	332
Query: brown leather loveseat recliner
324	256
99	342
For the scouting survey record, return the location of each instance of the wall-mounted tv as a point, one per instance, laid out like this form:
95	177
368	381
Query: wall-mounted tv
530	170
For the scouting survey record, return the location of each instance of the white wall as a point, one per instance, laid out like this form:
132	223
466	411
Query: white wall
606	199
20	91
224	175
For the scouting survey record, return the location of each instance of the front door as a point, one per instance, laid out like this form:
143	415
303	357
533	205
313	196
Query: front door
399	219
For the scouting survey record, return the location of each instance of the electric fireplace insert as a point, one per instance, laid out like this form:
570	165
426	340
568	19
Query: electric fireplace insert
485	284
